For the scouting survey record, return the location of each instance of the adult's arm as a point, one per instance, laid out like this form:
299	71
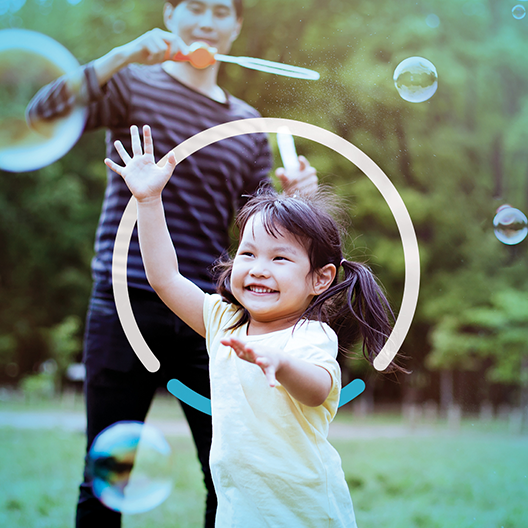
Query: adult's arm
84	85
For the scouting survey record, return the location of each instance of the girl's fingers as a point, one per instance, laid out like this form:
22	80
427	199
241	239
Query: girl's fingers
171	162
136	141
113	166
123	154
147	140
244	352
268	369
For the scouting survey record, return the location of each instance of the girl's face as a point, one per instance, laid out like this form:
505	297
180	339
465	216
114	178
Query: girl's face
271	278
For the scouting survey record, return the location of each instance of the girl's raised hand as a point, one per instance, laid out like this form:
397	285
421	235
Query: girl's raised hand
143	177
266	358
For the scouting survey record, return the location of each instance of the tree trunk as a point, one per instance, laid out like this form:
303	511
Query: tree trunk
496	166
447	396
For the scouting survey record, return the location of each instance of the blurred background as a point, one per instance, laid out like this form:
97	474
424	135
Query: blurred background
454	159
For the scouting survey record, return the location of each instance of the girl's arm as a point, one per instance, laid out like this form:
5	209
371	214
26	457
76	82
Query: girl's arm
146	181
308	383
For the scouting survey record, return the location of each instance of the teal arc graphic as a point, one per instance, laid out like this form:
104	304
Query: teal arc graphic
203	404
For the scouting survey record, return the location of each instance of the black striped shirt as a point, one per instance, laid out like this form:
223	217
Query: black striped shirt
205	190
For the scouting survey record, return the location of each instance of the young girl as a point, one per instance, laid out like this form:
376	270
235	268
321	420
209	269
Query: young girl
272	334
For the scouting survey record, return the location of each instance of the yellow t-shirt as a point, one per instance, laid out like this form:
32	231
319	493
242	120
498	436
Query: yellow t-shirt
271	462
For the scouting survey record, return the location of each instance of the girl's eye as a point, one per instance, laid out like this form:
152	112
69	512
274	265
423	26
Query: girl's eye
280	258
246	253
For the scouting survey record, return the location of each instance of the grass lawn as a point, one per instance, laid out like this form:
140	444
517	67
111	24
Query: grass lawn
473	478
436	482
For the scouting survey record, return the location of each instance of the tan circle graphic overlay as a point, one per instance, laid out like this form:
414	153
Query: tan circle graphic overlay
270	125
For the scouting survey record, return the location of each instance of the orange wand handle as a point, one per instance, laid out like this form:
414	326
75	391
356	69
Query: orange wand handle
200	55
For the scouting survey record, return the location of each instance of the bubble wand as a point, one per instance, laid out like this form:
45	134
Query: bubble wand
288	154
200	55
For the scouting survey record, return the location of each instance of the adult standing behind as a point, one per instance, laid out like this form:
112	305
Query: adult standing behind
134	84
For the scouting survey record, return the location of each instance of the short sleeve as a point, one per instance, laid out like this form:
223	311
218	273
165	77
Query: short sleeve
217	315
317	343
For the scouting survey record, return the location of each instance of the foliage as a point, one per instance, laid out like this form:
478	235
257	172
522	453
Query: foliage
64	345
496	332
38	386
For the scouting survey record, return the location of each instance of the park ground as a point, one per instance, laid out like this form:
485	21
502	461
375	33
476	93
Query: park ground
419	473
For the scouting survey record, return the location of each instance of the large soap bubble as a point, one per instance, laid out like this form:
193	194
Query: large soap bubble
28	61
510	225
416	79
130	467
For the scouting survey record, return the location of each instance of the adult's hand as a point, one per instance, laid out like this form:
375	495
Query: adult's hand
153	47
299	181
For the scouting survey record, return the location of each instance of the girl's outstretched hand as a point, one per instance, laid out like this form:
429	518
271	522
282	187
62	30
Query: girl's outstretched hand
143	177
268	359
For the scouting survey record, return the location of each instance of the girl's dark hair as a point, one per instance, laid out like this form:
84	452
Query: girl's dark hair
355	307
238	4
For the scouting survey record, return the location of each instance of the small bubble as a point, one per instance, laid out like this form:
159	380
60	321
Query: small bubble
15	22
518	12
432	20
416	79
119	26
510	225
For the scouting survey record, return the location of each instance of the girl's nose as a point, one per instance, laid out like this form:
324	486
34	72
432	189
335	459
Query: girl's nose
259	270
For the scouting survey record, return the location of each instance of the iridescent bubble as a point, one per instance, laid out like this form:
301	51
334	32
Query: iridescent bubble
130	467
518	12
416	79
510	225
28	61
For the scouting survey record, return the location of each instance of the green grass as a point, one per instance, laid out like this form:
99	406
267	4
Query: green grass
477	477
40	472
457	481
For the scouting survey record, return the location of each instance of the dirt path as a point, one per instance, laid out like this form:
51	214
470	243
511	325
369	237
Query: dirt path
76	422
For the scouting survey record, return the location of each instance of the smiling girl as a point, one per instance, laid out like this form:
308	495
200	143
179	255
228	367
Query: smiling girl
273	333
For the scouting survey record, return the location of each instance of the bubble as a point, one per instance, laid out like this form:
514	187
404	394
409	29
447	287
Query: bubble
432	20
510	225
130	467
518	11
15	5
416	79
28	61
119	26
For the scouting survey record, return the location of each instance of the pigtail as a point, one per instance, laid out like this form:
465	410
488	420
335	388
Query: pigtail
356	309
